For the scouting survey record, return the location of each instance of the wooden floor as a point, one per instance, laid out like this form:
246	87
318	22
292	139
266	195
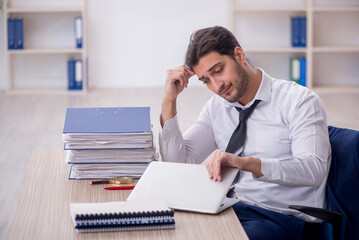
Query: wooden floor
30	122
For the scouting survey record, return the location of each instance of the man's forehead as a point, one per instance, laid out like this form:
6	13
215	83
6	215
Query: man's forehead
207	62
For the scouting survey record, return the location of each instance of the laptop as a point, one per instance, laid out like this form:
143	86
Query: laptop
185	187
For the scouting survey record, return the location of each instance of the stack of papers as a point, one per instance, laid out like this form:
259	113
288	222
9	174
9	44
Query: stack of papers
102	143
111	156
108	141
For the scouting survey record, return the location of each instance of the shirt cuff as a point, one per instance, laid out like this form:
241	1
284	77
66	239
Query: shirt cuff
169	126
270	169
171	141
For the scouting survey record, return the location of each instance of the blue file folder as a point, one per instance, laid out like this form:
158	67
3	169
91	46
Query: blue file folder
295	31
71	74
108	120
303	75
19	36
78	32
11	33
302	31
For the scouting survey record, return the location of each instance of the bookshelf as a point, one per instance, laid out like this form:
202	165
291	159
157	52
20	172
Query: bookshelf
49	41
263	29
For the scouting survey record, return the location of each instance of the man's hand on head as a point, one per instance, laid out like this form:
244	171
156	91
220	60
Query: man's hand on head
176	80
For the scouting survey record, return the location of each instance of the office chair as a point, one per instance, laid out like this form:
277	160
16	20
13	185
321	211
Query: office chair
342	187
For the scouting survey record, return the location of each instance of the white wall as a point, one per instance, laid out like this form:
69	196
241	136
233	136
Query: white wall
130	43
133	43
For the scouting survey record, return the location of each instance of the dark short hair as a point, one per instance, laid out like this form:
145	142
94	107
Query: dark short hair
203	41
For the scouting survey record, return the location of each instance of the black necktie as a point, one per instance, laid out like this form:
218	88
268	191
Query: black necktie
236	142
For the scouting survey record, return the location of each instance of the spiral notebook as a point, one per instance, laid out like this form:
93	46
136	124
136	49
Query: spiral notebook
121	216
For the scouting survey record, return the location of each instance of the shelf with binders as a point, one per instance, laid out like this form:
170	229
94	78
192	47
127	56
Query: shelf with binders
49	41
263	28
47	30
277	65
257	29
40	72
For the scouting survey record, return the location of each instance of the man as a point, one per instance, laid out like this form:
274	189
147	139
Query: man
285	158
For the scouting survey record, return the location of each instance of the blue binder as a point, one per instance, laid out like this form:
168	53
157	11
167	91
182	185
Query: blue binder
108	120
19	38
71	74
11	33
295	31
303	75
78	32
302	31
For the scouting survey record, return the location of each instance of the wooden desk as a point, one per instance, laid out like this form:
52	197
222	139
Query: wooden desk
43	211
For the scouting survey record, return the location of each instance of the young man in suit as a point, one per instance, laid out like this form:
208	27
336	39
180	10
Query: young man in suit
274	131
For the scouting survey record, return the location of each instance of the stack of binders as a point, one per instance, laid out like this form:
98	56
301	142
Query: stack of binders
121	216
102	143
15	34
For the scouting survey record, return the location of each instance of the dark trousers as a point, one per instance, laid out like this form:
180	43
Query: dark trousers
260	223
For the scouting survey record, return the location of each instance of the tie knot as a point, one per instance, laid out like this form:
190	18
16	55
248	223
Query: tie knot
245	113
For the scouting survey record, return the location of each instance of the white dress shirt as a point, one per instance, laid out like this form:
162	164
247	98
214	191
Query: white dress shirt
287	131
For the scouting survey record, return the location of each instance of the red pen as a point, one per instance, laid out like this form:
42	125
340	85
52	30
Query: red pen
120	188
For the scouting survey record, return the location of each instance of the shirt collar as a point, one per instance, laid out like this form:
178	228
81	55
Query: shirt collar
263	93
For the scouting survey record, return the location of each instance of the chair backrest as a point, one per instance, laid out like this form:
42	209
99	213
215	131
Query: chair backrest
343	179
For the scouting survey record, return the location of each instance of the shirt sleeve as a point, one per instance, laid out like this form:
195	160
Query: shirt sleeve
196	144
309	164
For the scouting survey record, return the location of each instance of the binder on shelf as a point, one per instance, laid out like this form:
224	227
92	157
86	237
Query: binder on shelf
294	69
11	33
303	75
78	32
71	74
298	70
19	36
75	74
299	31
295	31
121	216
302	31
78	75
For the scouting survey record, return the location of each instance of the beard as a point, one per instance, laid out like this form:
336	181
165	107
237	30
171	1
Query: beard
239	85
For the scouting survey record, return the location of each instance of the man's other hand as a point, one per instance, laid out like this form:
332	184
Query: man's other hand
219	158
